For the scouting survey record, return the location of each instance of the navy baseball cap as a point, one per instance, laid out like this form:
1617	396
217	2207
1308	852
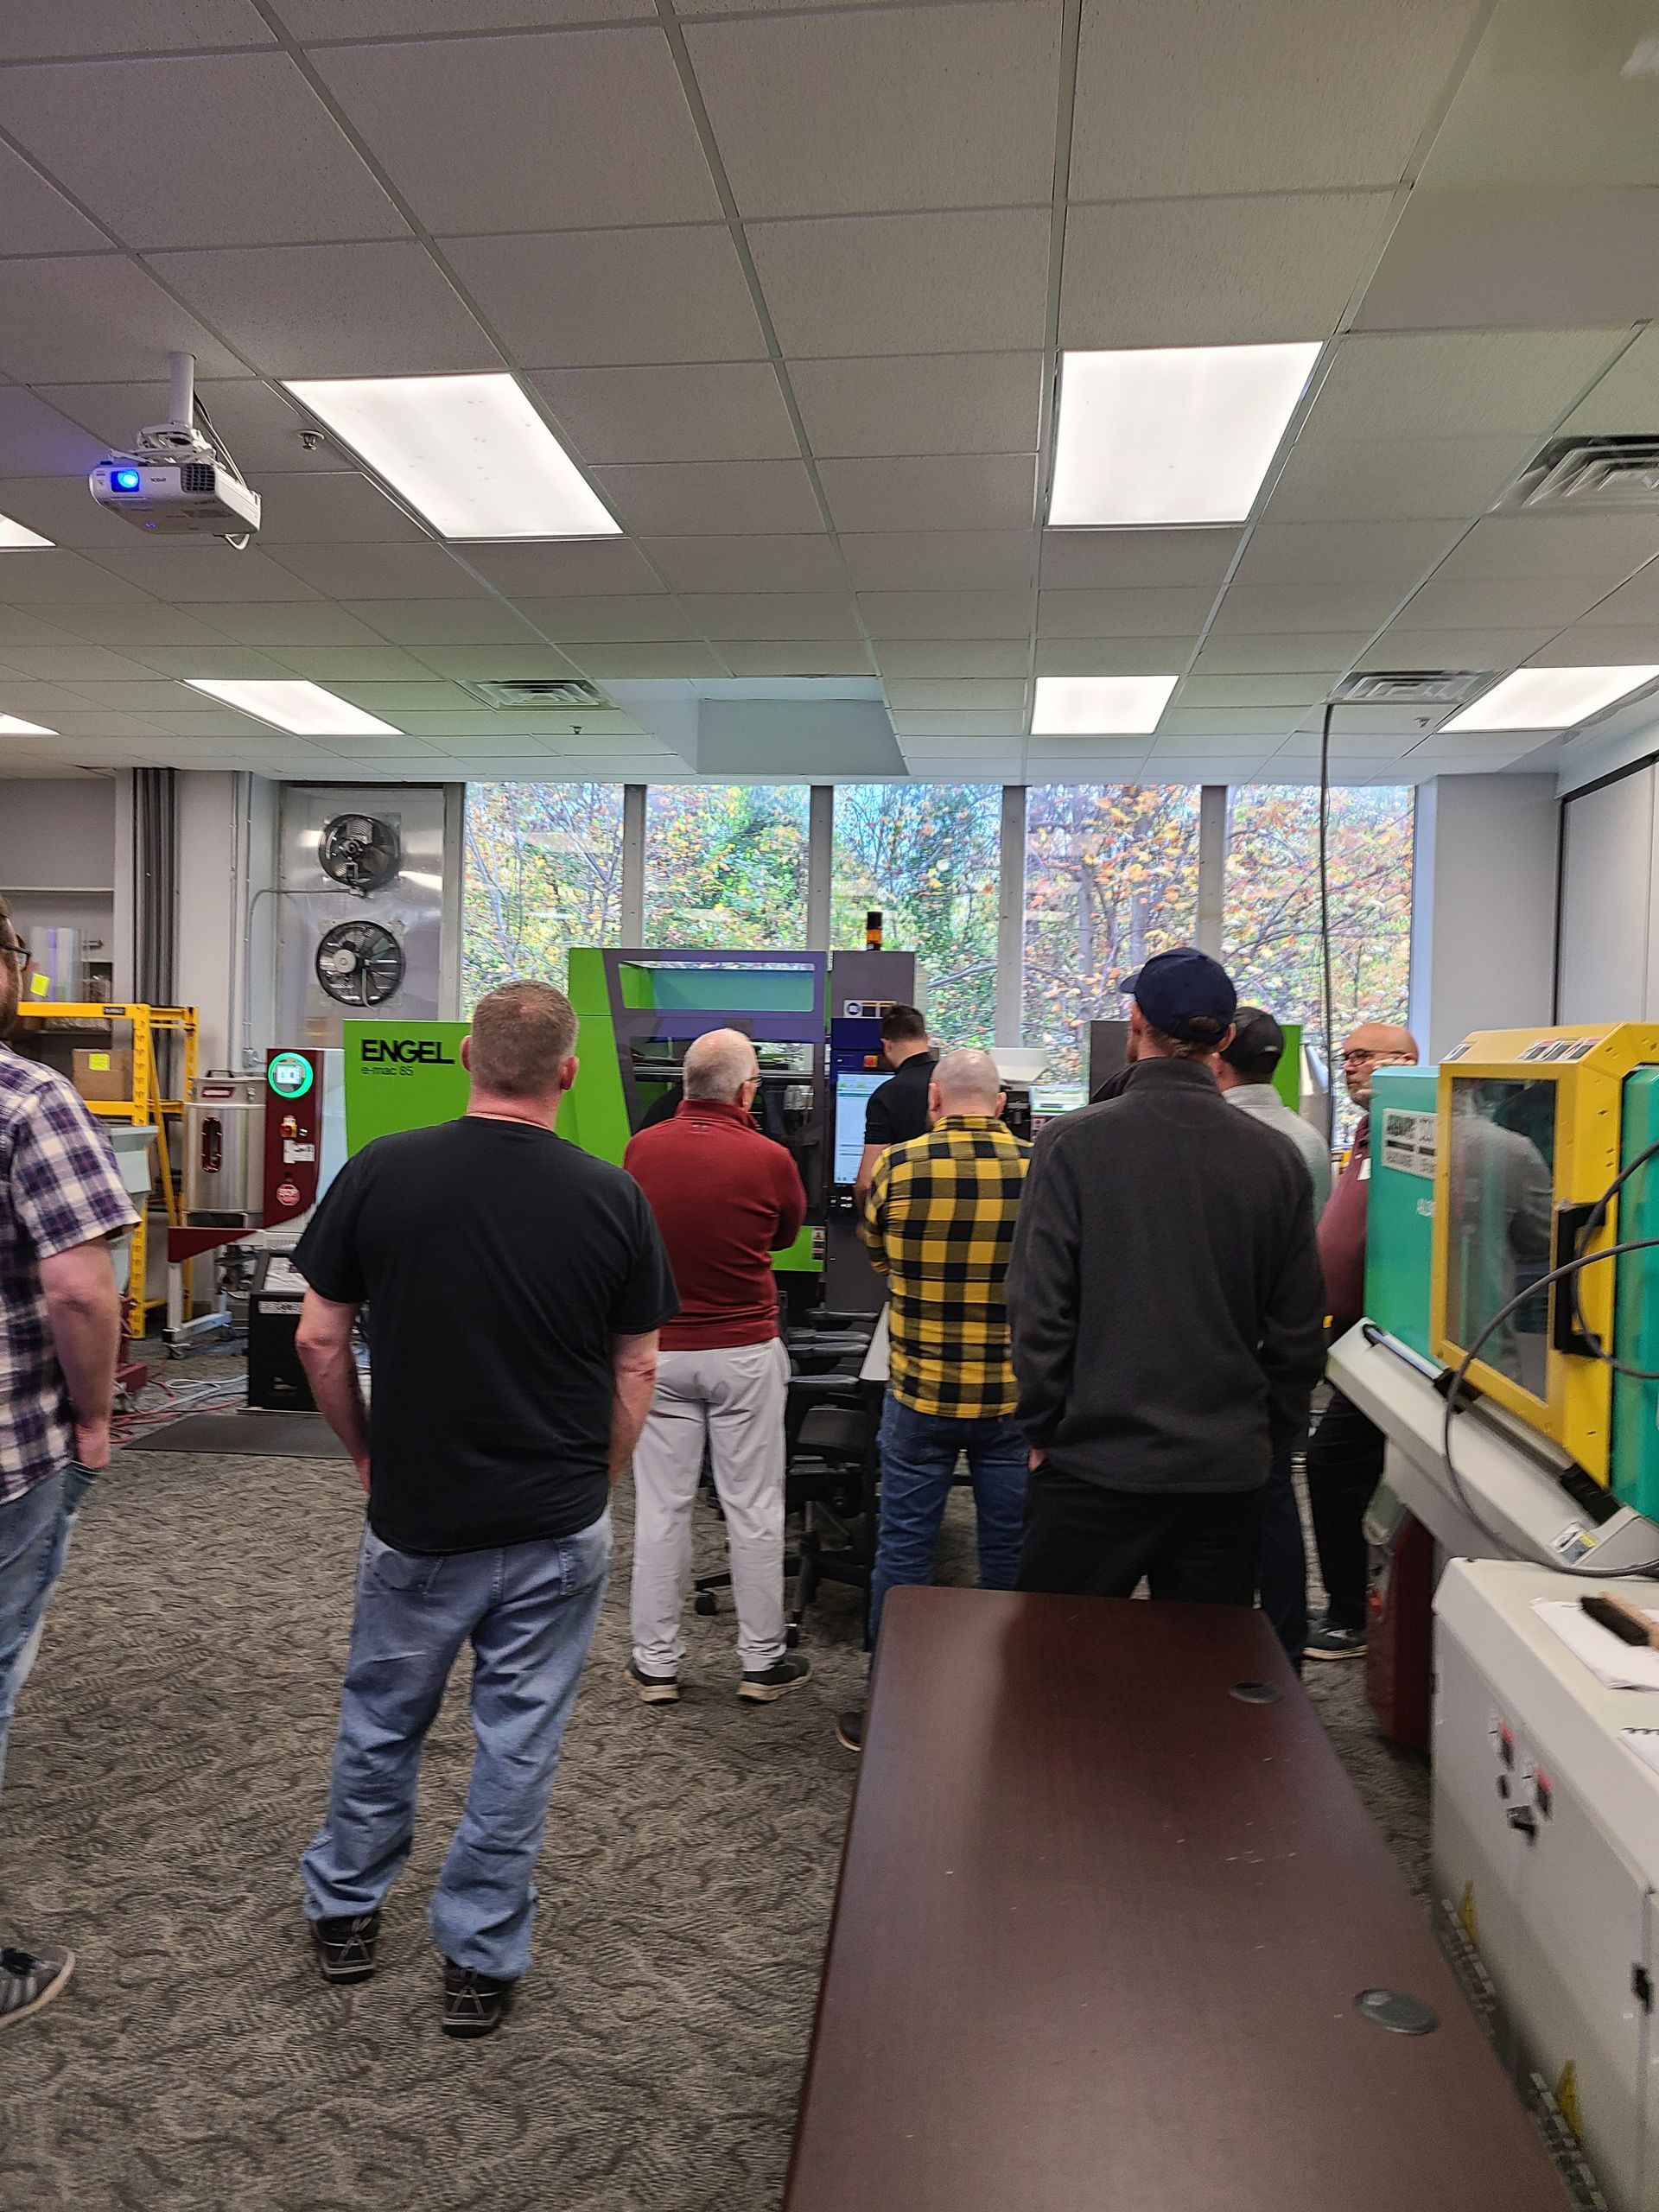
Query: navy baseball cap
1187	995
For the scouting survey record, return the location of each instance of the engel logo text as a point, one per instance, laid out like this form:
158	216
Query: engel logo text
404	1051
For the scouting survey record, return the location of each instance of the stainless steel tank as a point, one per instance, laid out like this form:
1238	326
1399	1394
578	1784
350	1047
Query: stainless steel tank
225	1151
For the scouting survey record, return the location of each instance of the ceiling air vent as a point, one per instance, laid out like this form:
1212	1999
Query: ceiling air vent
1584	471
542	691
1412	687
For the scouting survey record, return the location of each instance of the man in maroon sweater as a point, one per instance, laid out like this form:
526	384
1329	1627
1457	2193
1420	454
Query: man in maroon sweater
726	1199
1345	1454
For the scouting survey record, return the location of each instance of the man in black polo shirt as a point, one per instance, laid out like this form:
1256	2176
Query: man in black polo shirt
897	1110
514	1287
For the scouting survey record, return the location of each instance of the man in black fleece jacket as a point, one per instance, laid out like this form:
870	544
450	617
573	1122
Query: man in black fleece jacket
1167	1313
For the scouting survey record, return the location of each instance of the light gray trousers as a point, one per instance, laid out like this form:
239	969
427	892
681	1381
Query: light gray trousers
734	1399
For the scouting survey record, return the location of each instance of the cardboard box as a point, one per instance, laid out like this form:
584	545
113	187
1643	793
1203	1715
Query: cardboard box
105	1076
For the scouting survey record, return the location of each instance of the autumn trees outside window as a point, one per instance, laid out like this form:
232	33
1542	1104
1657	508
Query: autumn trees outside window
726	865
543	872
927	854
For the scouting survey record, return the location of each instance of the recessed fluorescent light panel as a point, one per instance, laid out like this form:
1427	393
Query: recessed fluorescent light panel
1549	698
1099	705
1182	434
14	538
470	453
305	708
15	726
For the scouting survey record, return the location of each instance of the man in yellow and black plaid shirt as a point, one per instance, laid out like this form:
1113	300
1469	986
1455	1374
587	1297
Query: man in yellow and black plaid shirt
939	1222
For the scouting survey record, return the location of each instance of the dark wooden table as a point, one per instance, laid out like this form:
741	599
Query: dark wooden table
1099	1937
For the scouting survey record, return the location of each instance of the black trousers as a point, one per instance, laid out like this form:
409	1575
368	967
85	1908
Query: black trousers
1281	1563
1344	1464
1083	1541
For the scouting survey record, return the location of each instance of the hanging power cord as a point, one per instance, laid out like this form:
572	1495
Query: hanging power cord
1325	922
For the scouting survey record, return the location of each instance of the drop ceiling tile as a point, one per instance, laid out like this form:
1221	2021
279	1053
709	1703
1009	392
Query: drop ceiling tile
1393	553
339	508
967	655
1295	691
1163	614
858	113
20	627
932	492
213	570
95	316
182	662
259	426
1597	645
1386	480
940	560
990	615
73	664
30	29
334	310
155	697
1477	384
498	663
128	139
368	19
1231	725
425	570
920	404
60	508
938	284
748	564
604	662
957	724
772	615
1626	398
582	568
1113	656
38	219
1272	609
617	617
684	498
1520	259
280	624
591	298
144	624
420	623
1268	653
1128	560
1635	602
1179	96
1252	270
955	693
796	656
451	121
63	578
1536	546
1456	602
396	702
40	441
1410	646
37	702
730	410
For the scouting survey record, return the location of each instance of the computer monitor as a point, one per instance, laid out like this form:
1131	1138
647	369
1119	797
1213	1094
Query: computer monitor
853	1089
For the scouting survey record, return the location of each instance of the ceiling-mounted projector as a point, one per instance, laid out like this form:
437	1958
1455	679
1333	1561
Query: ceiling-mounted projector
178	482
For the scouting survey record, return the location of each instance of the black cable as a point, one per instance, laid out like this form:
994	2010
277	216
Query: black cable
1324	924
219	444
1596	1217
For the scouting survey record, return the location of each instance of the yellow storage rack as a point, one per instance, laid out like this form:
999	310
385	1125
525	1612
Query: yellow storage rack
146	1104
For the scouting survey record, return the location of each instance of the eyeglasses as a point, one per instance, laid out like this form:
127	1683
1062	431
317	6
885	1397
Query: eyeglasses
17	951
1361	1059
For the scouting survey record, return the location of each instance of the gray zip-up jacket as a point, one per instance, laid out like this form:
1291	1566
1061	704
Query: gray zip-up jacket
1165	1294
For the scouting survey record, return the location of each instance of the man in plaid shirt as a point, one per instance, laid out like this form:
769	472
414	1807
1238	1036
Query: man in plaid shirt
61	1199
939	1224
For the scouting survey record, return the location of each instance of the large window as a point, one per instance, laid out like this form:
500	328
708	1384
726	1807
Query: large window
1270	938
1111	877
543	872
927	856
726	865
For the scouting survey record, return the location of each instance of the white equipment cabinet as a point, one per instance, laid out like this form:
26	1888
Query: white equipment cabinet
1546	1847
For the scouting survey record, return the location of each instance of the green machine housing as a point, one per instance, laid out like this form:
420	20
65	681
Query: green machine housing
639	1010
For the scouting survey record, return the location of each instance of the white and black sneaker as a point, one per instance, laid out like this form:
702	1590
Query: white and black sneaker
788	1674
1332	1643
653	1689
346	1948
29	1980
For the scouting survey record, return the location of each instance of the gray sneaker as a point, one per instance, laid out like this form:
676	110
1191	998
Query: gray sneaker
30	1980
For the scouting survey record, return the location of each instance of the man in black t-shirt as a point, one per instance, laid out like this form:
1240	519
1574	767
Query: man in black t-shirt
514	1288
897	1110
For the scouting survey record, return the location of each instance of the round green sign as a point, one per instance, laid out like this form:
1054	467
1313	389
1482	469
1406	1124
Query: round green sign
290	1074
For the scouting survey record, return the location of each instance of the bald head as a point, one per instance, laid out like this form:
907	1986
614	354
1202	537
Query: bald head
966	1082
1372	1045
718	1065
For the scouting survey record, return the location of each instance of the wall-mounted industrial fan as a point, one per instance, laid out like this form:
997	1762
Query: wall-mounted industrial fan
359	963
359	852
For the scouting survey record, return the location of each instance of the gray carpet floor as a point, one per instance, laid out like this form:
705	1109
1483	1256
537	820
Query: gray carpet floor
169	1763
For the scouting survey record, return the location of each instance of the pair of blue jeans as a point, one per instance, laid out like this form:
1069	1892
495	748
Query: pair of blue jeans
919	1463
34	1531
529	1611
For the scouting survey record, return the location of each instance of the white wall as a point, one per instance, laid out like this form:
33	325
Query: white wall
1484	906
226	852
58	857
1609	920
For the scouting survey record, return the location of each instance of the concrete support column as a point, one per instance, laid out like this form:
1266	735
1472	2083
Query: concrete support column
633	864
820	863
1011	917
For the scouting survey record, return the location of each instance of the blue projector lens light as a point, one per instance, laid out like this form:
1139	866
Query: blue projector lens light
125	480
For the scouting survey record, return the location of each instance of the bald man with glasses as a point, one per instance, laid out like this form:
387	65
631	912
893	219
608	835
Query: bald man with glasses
1345	1454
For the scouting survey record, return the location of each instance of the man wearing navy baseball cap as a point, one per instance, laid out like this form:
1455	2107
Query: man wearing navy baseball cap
1167	1313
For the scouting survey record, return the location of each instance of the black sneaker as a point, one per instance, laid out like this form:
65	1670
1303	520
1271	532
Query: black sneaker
1330	1642
788	1674
654	1689
473	2003
29	1980
850	1728
346	1948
